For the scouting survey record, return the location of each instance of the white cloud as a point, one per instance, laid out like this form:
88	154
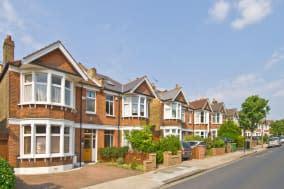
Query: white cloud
276	58
251	12
220	10
233	92
12	23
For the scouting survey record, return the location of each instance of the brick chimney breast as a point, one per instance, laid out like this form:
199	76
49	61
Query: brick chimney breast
8	50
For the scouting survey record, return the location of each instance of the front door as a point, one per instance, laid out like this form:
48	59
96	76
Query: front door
88	147
94	142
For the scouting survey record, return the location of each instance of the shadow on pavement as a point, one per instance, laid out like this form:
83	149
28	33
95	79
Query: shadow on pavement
20	184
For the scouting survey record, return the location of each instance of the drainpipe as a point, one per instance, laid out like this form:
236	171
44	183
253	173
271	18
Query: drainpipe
81	96
118	122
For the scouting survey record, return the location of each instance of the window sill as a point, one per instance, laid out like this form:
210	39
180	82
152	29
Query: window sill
111	116
90	113
45	104
135	117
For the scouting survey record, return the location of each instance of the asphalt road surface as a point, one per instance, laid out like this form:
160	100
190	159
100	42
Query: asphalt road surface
259	171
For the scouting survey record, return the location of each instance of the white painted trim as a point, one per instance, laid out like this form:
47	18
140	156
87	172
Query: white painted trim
95	126
42	170
123	128
15	121
182	94
111	93
171	127
46	50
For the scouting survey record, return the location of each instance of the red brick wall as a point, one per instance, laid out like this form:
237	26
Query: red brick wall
13	144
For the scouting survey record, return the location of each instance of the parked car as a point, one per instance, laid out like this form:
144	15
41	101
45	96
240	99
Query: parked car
186	150
195	143
281	139
274	141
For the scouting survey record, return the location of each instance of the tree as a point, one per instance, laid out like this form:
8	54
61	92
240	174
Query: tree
229	129
254	109
141	140
277	128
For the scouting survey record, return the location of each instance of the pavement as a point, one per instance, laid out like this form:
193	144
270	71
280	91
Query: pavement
165	175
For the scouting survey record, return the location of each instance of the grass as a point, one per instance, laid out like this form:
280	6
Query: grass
126	166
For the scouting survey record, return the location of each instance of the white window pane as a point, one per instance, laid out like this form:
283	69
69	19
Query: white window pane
56	80
67	97
28	78
66	144
91	105
27	93
55	144
27	144
67	84
40	144
55	94
41	91
41	77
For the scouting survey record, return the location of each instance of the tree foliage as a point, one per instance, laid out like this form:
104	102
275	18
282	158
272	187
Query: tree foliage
229	129
141	140
254	109
7	177
277	128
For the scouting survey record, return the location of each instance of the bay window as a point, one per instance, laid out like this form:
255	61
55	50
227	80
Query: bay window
109	105
173	111
134	106
216	118
91	101
183	115
201	117
45	139
46	88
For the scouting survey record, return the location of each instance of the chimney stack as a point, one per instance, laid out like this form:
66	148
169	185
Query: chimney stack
92	72
178	86
8	50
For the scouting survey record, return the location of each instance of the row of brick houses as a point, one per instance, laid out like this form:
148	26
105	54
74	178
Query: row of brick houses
55	112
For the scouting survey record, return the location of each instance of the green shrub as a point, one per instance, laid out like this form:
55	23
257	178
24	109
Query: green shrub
120	161
209	143
112	153
218	143
240	141
209	152
170	143
159	157
265	139
7	177
192	137
133	165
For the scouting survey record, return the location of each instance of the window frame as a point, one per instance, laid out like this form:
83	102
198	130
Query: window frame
128	101
110	105
91	99
49	85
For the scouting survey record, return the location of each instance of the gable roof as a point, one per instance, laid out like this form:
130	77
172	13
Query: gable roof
133	85
110	84
232	112
51	47
218	106
200	104
171	94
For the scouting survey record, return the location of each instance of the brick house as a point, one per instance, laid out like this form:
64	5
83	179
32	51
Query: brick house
217	116
201	112
56	113
232	114
169	111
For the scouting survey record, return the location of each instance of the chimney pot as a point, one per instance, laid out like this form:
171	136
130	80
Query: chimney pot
178	86
92	72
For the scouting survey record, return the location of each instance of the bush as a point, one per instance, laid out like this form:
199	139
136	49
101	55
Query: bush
192	137
209	143
133	165
159	157
7	177
112	153
120	161
218	143
240	141
170	143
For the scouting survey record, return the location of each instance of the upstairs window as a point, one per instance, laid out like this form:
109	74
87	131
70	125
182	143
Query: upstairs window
134	106
41	87
109	105
46	88
202	117
28	80
173	110
67	92
56	89
91	101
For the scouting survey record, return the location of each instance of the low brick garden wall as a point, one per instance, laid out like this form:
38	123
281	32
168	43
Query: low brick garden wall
135	157
218	151
150	164
198	152
170	160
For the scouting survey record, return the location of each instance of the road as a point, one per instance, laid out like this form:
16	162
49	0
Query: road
261	171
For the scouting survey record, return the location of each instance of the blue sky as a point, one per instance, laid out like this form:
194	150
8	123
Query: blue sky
221	49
